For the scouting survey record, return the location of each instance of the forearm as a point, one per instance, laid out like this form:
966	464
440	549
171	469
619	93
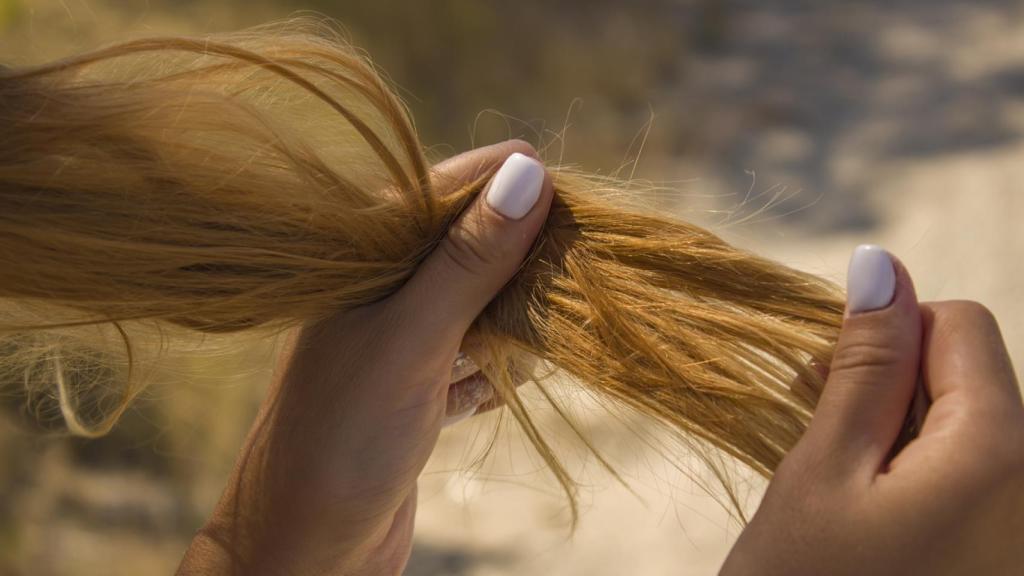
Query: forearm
272	519
211	554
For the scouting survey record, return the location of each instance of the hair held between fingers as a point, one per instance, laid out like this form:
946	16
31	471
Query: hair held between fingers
176	189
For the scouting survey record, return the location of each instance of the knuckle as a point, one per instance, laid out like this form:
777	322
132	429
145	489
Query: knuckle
971	311
522	146
865	355
955	320
467	250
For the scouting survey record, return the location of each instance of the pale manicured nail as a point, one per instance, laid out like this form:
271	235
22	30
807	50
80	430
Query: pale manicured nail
462	367
456	418
871	279
516	186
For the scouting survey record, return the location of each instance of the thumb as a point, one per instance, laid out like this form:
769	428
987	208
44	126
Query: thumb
481	252
875	367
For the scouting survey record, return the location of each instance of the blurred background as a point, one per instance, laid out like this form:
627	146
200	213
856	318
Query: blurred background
795	128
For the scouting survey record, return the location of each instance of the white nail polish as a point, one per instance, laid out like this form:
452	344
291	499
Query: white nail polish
871	279
516	186
456	418
462	367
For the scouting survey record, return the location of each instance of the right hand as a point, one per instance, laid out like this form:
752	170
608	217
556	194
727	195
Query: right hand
952	501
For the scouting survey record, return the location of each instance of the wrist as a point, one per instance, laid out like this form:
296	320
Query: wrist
208	554
231	544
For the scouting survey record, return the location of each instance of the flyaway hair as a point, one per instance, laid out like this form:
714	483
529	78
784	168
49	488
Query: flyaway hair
257	181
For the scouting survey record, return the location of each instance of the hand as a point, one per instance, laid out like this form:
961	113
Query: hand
327	481
952	501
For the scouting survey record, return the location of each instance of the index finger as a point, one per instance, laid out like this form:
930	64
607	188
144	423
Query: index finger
964	353
463	169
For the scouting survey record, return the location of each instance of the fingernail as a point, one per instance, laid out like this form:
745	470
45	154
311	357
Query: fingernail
871	279
456	418
516	186
462	367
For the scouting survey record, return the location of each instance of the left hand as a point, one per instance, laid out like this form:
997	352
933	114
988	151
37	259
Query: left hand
326	483
950	502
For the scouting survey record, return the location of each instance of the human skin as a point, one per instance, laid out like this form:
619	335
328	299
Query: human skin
326	483
951	502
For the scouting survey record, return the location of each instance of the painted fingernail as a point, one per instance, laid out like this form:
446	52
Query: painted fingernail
870	280
516	186
456	418
468	393
462	367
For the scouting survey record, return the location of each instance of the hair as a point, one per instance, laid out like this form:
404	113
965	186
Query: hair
251	182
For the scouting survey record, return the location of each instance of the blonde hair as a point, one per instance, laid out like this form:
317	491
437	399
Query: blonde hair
260	180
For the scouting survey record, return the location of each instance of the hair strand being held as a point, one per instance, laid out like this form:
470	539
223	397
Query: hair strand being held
271	178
